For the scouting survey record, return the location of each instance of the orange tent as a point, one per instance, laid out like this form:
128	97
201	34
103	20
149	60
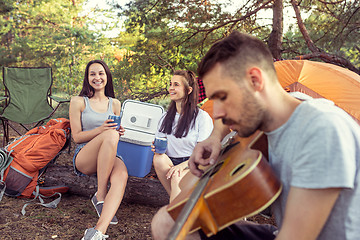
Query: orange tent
325	80
208	107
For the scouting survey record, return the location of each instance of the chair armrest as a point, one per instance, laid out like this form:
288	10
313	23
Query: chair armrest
59	99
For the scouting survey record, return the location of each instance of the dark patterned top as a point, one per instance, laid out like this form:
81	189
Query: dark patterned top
202	94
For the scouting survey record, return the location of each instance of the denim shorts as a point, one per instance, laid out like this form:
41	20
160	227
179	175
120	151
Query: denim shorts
77	150
177	161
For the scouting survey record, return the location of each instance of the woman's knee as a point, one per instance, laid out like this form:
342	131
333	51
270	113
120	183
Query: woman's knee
110	137
161	224
160	163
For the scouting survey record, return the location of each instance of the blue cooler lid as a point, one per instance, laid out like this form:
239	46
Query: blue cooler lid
140	121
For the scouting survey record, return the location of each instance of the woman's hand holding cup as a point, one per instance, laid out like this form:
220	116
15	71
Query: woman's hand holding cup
117	120
160	145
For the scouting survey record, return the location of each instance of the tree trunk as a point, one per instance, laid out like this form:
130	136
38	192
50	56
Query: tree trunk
303	29
275	38
138	190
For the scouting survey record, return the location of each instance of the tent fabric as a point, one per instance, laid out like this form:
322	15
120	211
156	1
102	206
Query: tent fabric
208	107
318	79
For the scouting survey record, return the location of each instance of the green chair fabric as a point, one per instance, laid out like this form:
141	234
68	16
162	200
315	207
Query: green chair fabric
28	91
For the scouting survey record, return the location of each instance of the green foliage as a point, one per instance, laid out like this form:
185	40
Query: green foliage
334	28
159	37
164	102
50	33
170	35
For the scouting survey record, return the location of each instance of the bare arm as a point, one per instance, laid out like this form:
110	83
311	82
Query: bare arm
116	106
306	212
207	151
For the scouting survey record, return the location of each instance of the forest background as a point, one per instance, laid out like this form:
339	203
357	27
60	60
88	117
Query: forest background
149	39
152	38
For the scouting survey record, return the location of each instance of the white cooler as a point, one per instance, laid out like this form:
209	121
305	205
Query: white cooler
140	121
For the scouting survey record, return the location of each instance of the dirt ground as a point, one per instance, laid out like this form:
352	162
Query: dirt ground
73	215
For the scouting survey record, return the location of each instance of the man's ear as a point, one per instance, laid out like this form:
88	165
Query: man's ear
256	78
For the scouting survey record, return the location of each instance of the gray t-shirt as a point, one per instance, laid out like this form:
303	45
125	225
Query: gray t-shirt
91	119
319	147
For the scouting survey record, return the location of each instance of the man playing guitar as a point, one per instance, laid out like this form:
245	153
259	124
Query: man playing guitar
314	146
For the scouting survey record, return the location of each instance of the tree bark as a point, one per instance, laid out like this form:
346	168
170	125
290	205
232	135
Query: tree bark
315	51
138	190
275	38
303	29
330	58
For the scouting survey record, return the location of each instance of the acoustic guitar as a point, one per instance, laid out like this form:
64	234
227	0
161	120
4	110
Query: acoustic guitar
240	185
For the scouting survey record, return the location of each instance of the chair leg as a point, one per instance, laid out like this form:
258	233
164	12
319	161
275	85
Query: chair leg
6	132
14	128
6	125
69	142
27	129
39	123
69	147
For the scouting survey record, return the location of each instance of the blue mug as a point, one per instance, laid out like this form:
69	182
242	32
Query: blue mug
160	144
116	119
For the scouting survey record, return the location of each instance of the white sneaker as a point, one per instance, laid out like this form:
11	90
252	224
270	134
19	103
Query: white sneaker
94	234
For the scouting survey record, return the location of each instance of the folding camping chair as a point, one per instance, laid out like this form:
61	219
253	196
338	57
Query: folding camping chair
28	99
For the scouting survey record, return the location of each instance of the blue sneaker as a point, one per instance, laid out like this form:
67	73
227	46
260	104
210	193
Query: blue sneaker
98	207
93	234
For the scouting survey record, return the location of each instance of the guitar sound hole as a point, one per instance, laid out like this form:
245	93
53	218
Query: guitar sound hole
237	169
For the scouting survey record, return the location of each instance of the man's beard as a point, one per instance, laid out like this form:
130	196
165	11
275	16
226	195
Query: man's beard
249	122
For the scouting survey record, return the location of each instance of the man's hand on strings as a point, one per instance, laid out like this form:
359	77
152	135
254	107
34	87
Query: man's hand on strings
205	153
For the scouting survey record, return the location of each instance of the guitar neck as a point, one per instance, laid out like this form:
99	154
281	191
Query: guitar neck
190	212
188	215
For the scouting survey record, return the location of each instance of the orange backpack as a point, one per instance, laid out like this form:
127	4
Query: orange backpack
31	154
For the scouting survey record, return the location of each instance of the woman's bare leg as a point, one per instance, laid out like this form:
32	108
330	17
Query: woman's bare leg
162	165
162	224
118	180
98	156
175	188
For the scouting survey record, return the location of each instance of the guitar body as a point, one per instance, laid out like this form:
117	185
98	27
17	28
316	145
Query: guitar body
243	186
